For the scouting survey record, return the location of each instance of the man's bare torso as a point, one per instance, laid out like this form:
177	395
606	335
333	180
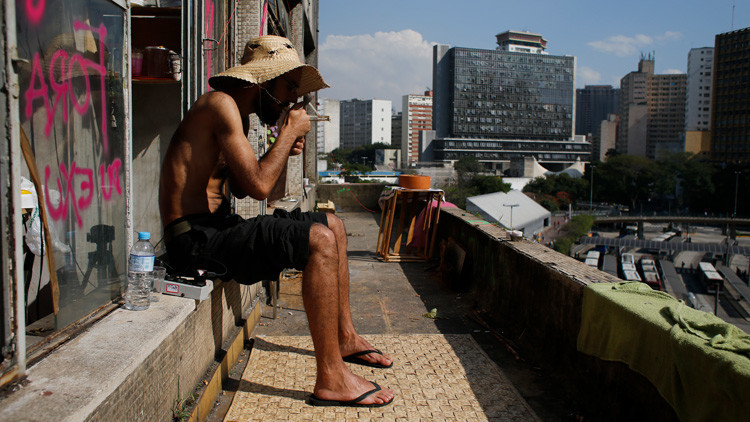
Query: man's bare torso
194	169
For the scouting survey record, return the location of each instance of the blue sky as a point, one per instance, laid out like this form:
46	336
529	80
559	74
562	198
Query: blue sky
382	49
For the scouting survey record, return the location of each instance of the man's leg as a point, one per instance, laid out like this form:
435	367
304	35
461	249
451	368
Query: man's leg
321	296
349	341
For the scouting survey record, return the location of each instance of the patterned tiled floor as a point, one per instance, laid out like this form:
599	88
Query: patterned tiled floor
436	378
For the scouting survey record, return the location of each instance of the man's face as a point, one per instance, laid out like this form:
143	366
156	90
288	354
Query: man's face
275	97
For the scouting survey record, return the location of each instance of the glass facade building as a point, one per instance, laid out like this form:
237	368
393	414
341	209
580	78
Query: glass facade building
501	106
595	103
509	95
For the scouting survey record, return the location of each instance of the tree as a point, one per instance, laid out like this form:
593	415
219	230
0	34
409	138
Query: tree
466	167
626	179
558	190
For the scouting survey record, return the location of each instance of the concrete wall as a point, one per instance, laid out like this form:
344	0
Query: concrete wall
156	115
533	295
345	196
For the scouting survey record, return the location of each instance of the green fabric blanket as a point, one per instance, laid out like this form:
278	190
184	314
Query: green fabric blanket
699	363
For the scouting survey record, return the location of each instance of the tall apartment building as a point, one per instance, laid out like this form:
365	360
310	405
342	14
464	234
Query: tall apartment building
605	138
730	110
593	104
328	131
652	111
365	122
417	117
503	105
700	67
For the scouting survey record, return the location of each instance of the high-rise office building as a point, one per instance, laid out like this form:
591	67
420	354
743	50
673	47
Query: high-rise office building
397	120
503	105
365	122
652	112
730	110
328	131
593	104
417	117
700	67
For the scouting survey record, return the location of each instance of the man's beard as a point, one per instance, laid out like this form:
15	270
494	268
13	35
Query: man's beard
266	111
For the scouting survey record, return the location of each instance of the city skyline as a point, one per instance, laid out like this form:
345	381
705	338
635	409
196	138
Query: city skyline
383	50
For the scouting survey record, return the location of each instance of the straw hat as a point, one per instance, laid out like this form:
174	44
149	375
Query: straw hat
268	57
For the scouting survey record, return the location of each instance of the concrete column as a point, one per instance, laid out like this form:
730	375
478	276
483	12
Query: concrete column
640	229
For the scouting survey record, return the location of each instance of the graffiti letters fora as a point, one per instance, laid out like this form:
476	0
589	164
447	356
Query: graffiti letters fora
109	178
51	85
53	94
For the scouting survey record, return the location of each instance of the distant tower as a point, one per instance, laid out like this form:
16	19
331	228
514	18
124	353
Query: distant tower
417	117
365	122
652	111
699	82
328	132
593	104
730	120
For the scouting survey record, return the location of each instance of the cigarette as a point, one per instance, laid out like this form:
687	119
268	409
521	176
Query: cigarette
320	118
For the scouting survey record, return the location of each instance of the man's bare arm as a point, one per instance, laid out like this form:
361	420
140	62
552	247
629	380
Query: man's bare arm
248	174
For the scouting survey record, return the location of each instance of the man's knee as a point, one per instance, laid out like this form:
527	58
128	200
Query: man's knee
322	239
336	225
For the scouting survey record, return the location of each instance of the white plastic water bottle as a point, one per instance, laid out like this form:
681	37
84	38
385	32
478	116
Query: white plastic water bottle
140	266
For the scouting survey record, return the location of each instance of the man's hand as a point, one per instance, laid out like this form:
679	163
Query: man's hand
296	123
298	147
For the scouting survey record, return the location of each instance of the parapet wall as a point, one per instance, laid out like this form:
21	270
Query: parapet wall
534	296
351	196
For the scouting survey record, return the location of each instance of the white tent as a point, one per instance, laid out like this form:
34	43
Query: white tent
527	215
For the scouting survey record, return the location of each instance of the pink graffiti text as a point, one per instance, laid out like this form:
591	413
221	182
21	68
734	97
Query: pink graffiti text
64	65
108	177
35	10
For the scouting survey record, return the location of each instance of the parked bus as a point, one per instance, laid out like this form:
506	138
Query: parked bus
631	275
650	274
592	259
710	277
627	262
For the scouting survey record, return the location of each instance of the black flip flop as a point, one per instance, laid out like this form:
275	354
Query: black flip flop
315	401
354	358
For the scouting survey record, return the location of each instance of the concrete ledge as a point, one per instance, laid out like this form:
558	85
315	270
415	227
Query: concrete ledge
74	380
132	365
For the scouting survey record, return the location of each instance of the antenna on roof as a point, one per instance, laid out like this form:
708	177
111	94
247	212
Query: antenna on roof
732	27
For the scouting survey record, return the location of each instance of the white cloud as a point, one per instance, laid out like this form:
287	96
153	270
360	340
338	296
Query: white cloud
587	76
386	65
669	36
673	72
623	46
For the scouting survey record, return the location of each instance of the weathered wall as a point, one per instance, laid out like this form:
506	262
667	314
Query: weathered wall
156	115
180	361
534	296
345	196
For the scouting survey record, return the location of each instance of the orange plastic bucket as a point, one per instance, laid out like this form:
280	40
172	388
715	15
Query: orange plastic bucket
412	181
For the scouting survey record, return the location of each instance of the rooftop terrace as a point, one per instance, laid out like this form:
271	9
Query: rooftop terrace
474	362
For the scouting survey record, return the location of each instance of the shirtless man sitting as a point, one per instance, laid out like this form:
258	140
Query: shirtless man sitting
209	148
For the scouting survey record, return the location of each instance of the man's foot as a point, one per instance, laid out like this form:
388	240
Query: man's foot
356	358
358	402
360	351
349	390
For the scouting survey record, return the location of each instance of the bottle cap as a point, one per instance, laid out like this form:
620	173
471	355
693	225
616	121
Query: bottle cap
144	235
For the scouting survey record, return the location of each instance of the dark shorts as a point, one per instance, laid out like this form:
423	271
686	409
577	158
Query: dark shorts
248	250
